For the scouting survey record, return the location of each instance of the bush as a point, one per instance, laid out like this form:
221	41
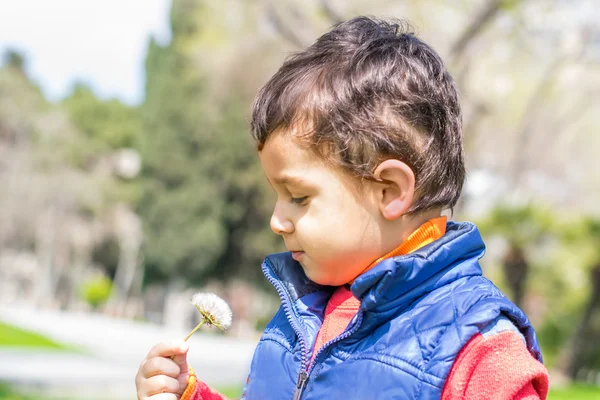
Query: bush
96	291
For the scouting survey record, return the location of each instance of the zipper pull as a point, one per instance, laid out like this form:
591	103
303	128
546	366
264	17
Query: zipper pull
302	379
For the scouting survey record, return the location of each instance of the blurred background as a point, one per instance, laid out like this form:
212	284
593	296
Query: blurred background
129	180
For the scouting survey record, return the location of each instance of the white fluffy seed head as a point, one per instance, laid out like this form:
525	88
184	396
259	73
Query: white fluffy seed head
213	308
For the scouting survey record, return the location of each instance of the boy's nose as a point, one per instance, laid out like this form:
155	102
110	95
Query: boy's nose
279	224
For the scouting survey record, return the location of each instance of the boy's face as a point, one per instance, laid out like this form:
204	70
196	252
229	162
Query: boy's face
331	224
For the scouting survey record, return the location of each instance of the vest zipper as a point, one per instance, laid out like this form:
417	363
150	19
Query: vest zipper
344	335
303	375
289	313
305	368
302	379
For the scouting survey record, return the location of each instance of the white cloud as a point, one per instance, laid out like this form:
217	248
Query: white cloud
101	42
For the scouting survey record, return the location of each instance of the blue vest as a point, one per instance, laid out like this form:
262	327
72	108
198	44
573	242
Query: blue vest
417	311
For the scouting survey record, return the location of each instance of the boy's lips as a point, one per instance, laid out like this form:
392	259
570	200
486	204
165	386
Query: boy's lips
297	255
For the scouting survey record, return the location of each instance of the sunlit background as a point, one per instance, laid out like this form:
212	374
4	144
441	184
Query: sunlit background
129	180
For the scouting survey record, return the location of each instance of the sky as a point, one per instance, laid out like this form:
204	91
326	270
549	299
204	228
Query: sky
101	42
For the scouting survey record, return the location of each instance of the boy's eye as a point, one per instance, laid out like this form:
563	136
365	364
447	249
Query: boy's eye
298	200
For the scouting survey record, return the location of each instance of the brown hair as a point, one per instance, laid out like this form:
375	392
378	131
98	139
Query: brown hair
366	91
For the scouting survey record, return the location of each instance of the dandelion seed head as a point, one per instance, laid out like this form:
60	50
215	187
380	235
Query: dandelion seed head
213	308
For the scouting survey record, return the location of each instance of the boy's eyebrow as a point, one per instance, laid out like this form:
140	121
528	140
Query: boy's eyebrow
288	180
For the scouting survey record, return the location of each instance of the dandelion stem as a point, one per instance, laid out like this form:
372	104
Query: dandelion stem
195	329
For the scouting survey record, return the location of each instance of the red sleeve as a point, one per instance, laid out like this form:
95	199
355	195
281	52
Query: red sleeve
198	390
496	367
528	392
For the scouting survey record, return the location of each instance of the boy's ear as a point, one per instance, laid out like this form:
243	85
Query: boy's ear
398	189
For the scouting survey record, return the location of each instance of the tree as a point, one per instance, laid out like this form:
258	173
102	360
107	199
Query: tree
203	203
108	123
583	346
522	227
14	59
45	198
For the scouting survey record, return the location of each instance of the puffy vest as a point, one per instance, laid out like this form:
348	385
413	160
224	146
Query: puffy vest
417	311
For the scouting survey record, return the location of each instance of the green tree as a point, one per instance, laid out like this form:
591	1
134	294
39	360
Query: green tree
14	59
204	201
108	123
583	348
521	227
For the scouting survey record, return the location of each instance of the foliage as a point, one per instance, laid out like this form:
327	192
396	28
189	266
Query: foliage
11	336
13	59
96	291
520	225
108	123
555	331
105	127
202	195
203	198
582	235
60	183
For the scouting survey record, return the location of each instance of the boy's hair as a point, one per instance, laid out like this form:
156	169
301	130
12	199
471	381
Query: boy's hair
367	91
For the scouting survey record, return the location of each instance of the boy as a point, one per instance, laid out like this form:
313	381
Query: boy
360	136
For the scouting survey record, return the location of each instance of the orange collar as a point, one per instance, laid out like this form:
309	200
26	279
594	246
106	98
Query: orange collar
427	233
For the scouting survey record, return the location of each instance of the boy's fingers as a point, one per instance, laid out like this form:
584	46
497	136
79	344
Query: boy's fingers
181	361
184	369
164	396
160	366
161	384
168	349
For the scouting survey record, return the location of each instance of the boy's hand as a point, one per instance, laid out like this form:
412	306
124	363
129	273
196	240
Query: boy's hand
159	376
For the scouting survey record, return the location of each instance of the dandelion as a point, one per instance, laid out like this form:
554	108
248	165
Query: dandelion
214	311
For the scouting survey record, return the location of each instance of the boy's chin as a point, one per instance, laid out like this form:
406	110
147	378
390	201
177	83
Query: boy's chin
321	279
317	273
314	276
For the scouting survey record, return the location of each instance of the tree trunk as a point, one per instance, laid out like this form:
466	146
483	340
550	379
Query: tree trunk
581	340
129	235
516	269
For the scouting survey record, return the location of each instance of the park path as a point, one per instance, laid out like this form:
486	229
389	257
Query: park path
111	351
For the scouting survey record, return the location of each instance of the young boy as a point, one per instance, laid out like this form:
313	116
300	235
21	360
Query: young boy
382	298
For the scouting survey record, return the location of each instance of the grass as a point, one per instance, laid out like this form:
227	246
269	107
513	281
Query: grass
6	393
11	336
576	391
232	392
573	392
